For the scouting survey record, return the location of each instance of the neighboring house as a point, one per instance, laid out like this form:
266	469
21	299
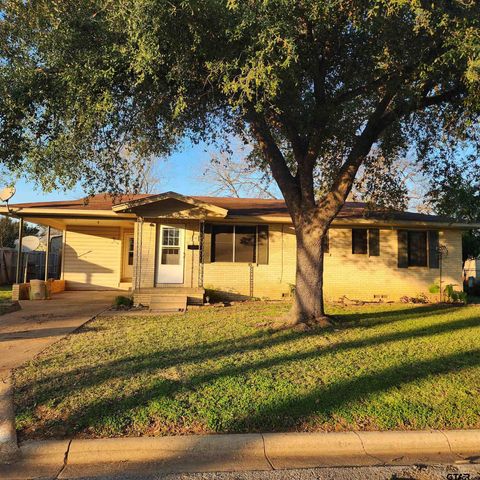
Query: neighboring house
471	270
242	247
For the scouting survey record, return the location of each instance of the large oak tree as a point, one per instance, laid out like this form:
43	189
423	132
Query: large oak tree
322	88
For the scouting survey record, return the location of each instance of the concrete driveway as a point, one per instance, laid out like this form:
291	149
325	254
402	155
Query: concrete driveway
26	332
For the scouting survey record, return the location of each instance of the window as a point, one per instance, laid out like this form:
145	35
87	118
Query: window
222	243
417	249
360	241
366	241
170	256
245	244
238	243
170	246
130	251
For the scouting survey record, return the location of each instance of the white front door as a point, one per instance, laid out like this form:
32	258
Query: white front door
170	246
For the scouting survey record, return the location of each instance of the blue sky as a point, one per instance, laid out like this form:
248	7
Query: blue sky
179	173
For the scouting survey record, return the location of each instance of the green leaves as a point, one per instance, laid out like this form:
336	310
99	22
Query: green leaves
81	81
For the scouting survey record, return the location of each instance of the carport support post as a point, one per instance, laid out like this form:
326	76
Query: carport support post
19	249
47	253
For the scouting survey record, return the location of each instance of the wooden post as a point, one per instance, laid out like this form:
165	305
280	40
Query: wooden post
47	253
19	250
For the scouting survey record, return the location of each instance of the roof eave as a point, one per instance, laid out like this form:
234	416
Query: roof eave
346	222
61	212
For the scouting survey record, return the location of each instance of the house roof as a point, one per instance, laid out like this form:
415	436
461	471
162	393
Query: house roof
236	207
100	201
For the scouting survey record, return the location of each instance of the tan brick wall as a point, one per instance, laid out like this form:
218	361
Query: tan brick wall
355	276
269	281
363	277
144	258
346	274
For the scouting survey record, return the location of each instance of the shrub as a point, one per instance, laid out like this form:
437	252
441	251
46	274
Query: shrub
455	296
434	288
123	301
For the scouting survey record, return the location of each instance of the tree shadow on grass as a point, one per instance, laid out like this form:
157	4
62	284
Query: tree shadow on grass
288	414
284	415
293	411
373	319
44	389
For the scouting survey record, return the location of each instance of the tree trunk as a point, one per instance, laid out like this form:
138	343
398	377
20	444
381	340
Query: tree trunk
308	307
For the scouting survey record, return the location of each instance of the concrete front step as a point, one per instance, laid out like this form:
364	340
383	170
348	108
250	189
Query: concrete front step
148	296
168	303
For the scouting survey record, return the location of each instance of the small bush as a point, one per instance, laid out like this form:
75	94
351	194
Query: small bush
463	297
123	301
455	296
434	288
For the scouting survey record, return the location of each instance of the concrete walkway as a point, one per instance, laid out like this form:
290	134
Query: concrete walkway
142	457
26	332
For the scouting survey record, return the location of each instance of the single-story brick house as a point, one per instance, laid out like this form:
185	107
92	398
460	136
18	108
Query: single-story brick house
241	247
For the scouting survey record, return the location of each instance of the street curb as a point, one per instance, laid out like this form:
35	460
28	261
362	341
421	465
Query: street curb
241	452
8	435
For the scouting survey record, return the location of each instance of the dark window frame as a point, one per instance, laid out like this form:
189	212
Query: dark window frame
234	243
356	250
130	250
430	258
417	260
369	248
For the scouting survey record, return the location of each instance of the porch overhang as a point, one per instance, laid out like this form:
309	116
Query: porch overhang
61	218
171	205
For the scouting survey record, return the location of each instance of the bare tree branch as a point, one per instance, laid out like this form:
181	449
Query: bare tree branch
236	178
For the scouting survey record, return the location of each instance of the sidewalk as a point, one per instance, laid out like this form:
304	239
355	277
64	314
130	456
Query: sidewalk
26	332
250	452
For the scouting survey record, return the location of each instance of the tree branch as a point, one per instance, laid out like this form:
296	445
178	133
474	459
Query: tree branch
275	160
285	122
346	176
425	101
314	142
354	92
378	122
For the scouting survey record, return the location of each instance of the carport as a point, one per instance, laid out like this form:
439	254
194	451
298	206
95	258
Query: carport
97	245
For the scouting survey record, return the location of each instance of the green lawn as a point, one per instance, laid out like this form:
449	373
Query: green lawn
5	293
5	297
223	370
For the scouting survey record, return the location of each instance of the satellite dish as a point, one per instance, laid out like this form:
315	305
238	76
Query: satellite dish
30	243
6	194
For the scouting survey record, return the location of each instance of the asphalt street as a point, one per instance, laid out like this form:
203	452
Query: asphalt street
440	472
